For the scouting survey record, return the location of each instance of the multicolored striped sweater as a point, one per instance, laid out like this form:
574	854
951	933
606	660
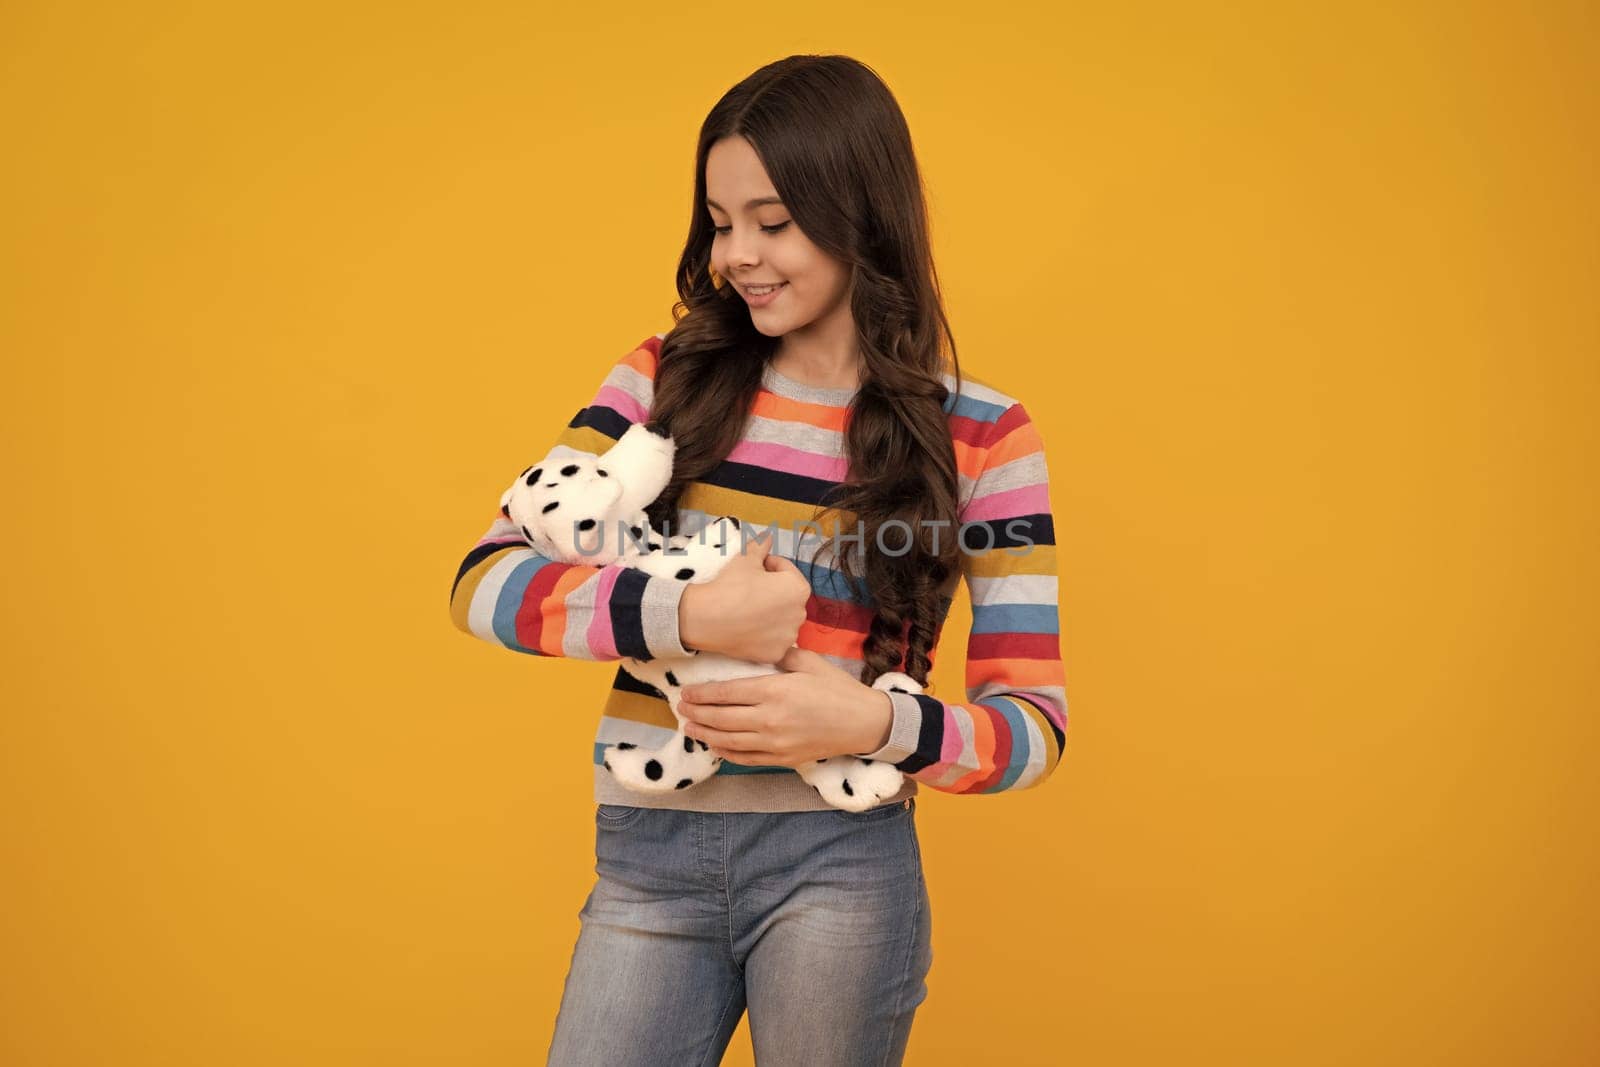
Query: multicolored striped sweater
1010	730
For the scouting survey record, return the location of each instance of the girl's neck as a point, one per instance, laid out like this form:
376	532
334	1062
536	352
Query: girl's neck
817	366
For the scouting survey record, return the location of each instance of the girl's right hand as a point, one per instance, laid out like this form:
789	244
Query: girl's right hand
752	609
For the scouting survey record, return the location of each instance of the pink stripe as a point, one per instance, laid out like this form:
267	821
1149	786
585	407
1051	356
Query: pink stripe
790	460
601	641
622	403
1050	708
1010	503
953	741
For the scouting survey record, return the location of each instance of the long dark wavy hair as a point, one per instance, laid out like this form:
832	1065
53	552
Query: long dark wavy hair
835	144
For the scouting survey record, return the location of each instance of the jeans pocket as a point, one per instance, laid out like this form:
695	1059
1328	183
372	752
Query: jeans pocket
881	813
616	816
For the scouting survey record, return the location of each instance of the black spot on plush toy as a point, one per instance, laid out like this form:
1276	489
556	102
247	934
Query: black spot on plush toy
576	507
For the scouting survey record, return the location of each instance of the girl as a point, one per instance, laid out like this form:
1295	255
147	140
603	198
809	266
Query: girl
805	385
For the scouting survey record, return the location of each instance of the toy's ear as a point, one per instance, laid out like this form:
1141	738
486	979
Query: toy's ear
515	506
530	474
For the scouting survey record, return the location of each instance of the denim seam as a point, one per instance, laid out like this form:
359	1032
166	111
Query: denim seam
700	858
911	948
617	822
733	994
876	813
727	896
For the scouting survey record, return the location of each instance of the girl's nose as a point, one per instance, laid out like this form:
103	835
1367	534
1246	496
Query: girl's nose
741	250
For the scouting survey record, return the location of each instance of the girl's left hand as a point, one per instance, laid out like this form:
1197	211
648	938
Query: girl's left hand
788	720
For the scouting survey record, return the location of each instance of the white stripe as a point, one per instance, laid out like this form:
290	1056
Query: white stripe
975	390
580	610
1033	589
630	380
1035	765
643	734
480	615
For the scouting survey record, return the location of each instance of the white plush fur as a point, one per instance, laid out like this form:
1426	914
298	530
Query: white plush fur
571	500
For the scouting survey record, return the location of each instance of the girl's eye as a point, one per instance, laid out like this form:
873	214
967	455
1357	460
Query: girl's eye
765	229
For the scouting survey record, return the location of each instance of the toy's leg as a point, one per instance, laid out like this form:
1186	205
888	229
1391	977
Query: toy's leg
680	763
853	783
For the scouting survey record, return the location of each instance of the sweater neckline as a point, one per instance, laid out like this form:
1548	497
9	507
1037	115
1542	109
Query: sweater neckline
783	385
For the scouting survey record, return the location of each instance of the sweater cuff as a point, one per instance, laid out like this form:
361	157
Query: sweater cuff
658	611
904	730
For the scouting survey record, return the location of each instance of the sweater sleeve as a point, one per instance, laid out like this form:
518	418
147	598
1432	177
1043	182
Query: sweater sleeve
1010	731
508	594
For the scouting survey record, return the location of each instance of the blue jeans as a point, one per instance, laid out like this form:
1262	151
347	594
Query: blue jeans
816	921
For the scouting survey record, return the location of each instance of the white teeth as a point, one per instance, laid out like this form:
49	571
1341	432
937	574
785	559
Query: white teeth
763	290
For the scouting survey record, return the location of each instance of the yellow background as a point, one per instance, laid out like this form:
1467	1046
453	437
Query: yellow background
1302	300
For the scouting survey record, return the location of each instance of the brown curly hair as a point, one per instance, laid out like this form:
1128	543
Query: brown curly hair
837	148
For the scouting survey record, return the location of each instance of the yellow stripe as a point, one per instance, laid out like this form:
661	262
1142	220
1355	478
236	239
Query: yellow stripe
636	707
762	511
999	562
461	603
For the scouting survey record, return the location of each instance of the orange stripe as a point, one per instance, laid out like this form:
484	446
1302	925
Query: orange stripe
969	458
555	609
771	406
983	745
642	360
1020	442
829	640
1014	672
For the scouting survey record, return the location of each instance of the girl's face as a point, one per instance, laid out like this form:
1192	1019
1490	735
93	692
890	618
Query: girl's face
757	243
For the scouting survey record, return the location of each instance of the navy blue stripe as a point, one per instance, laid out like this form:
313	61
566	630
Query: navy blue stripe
599	417
930	738
763	481
627	618
1039	529
476	556
627	683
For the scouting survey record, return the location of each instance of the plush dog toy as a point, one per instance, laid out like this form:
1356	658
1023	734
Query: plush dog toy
576	507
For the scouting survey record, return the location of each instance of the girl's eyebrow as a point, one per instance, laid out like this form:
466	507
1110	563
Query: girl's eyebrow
757	202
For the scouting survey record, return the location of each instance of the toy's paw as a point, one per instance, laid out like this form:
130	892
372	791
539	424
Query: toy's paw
896	682
565	505
852	783
680	763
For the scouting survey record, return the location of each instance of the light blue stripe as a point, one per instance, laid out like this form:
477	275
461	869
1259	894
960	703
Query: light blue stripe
833	584
510	599
977	410
828	582
1017	762
1015	619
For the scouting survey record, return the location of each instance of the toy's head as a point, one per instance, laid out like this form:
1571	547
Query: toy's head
577	507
